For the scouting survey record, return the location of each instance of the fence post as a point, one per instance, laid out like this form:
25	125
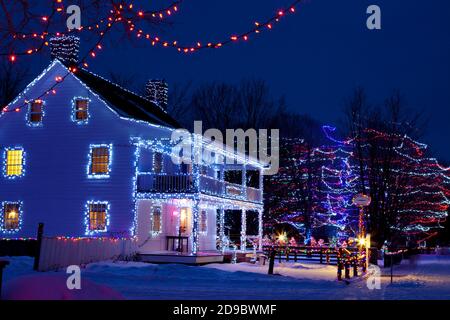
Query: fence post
347	269
321	256
37	255
279	255
339	273
271	261
355	266
392	268
295	255
287	254
3	264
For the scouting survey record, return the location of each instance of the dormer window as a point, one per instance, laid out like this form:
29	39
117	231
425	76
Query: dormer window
81	110
36	113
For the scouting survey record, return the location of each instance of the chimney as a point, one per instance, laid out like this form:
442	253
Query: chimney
157	91
65	49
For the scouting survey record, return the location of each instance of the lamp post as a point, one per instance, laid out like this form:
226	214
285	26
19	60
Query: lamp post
362	201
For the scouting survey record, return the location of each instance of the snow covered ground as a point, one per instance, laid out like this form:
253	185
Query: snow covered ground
427	277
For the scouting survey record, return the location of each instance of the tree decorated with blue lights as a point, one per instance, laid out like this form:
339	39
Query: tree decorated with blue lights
338	186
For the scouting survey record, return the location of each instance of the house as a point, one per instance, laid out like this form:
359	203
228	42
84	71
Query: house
91	159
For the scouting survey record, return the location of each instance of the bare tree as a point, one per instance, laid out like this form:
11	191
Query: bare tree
180	104
127	81
12	79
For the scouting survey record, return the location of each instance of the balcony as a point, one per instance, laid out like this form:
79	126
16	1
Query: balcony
163	183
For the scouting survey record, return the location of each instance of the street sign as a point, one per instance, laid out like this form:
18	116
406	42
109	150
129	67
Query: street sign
361	200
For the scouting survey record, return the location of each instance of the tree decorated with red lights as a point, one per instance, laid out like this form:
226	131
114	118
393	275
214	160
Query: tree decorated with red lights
409	190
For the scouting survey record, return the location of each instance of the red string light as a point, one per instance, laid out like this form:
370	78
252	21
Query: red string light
258	28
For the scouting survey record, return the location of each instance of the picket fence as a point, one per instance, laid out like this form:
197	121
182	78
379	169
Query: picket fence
56	253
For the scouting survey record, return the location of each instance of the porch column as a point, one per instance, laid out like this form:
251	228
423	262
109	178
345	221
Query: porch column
195	227
243	230
221	225
260	229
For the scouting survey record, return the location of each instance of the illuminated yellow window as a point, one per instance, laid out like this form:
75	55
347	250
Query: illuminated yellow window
97	216
14	162
183	219
100	160
156	220
11	216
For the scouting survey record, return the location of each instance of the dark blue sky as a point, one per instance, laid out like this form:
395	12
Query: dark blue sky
315	57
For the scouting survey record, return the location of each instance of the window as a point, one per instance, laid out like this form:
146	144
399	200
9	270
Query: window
36	112
156	220
81	110
183	220
10	216
157	162
253	179
100	161
14	162
98	217
203	221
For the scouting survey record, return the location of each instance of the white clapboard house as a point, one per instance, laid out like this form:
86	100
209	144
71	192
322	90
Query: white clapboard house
92	159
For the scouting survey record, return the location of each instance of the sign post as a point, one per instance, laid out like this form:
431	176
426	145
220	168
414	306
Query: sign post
361	201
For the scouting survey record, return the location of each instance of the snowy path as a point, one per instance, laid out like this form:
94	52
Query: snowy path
426	279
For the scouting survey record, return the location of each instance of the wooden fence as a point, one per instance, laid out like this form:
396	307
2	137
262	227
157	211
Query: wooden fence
58	253
344	258
322	255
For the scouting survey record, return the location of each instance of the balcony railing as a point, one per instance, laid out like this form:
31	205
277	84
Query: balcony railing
163	183
254	195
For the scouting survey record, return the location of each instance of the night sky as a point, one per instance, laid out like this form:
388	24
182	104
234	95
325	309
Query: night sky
316	58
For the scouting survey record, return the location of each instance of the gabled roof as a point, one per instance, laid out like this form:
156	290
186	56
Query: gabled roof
126	103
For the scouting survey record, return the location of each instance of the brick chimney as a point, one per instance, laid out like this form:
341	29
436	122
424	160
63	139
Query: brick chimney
65	49
157	91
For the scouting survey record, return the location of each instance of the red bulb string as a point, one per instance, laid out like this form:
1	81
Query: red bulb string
199	45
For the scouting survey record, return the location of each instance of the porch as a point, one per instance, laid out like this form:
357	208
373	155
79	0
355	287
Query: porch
181	257
193	230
